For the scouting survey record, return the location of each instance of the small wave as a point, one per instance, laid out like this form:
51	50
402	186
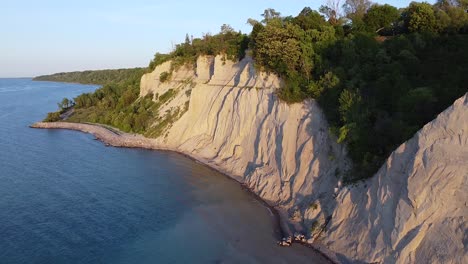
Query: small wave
13	90
4	115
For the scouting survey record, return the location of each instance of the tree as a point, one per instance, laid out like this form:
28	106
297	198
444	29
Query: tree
332	11
379	17
309	19
278	47
451	15
420	17
226	29
270	14
65	104
355	9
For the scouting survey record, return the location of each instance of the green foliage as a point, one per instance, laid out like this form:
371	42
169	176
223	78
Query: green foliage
158	59
379	17
164	76
375	92
169	94
387	91
163	123
420	17
313	206
93	77
309	19
228	42
117	105
314	226
52	117
65	104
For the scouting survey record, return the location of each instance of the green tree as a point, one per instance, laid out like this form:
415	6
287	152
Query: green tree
420	17
379	17
270	14
309	19
65	104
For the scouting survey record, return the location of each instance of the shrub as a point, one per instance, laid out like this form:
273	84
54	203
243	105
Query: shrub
164	76
313	206
52	117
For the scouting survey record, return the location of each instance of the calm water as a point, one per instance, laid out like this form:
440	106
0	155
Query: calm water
66	198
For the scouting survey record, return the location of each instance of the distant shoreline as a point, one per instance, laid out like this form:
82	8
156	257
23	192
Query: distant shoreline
111	136
33	79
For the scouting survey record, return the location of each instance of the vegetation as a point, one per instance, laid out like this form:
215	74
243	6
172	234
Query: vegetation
93	77
313	206
52	117
228	42
379	73
314	227
65	105
118	105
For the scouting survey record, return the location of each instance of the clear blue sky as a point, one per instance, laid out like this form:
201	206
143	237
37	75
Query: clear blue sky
48	36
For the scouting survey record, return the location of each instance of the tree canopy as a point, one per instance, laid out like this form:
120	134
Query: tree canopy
380	74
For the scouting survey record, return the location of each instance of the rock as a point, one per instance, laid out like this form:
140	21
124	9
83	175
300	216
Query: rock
299	237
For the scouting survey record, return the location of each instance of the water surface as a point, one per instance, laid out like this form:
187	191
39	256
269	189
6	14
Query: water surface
66	198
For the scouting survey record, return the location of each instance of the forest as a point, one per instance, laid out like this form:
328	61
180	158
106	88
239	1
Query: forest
379	72
92	77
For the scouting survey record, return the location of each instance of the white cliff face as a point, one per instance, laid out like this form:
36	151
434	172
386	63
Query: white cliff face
414	210
236	123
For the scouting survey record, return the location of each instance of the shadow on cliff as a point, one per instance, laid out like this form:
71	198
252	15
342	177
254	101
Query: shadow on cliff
374	204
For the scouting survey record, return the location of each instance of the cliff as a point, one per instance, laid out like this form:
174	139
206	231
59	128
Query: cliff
235	123
412	211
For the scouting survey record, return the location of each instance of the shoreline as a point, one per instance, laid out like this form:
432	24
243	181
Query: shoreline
111	136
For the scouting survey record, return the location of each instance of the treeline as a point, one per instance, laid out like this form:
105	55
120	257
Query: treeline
228	42
93	77
380	73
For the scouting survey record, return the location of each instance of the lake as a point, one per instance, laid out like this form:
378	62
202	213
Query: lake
67	198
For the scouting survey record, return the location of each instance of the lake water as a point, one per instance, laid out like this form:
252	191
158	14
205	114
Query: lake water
66	198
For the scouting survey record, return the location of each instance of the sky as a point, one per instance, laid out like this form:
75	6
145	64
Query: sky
49	36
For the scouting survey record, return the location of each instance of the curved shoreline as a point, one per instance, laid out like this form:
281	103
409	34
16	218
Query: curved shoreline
111	136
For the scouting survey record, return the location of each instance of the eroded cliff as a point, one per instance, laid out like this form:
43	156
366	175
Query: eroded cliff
236	123
228	115
414	209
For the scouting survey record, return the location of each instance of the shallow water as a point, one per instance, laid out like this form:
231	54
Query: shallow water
66	198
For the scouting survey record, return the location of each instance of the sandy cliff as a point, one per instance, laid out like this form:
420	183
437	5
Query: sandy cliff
236	123
414	210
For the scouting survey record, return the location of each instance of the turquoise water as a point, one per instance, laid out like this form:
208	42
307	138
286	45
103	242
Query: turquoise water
66	198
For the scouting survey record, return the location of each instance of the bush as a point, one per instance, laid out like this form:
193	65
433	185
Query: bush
164	76
52	117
